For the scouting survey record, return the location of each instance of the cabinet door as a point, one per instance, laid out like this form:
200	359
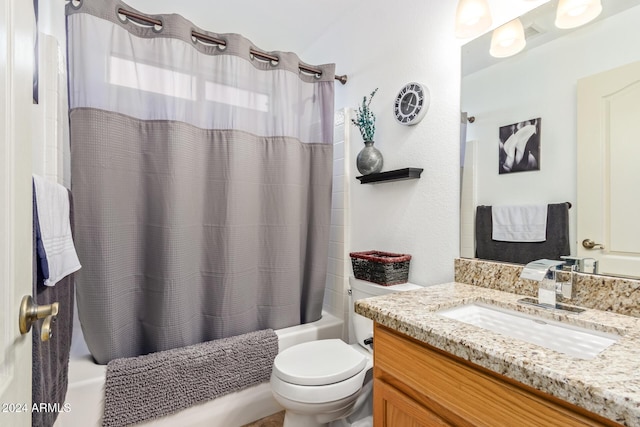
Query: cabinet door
392	408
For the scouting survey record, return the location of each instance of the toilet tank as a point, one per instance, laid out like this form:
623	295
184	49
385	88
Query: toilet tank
363	327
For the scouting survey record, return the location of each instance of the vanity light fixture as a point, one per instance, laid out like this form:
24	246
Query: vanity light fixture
574	13
473	17
508	39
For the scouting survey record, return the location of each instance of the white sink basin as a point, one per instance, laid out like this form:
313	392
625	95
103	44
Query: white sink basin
572	340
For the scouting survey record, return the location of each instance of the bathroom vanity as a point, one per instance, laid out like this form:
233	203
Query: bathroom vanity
433	370
417	384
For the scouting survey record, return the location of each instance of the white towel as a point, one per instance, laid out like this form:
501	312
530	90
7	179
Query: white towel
52	201
519	223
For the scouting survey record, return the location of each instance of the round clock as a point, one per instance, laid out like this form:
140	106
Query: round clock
411	103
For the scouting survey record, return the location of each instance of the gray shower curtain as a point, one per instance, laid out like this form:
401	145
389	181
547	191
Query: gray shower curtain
202	183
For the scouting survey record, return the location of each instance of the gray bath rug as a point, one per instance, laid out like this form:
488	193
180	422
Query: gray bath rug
157	384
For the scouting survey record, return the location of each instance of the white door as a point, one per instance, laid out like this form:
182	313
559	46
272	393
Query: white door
609	169
16	94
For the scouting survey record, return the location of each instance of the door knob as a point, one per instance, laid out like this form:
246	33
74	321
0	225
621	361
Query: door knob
590	244
30	312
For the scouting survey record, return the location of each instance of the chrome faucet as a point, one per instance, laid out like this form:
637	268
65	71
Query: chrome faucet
547	273
581	265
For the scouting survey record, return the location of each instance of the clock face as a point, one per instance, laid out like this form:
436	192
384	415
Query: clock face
411	103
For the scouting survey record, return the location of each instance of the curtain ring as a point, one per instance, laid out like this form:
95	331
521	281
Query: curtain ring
76	4
266	57
219	46
124	19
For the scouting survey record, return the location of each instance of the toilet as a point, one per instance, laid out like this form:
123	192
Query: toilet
328	381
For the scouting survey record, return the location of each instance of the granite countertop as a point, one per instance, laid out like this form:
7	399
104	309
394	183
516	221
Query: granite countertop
608	385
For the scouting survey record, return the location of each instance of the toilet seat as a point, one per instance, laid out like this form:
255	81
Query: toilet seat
318	393
318	363
319	371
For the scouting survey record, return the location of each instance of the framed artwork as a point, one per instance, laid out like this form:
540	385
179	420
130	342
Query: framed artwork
519	149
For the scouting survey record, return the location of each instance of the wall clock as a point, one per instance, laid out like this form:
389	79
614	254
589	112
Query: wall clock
412	103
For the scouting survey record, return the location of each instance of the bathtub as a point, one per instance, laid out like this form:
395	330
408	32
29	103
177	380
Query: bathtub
85	394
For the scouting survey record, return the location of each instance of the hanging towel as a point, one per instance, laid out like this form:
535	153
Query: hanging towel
519	223
40	254
50	359
52	201
556	245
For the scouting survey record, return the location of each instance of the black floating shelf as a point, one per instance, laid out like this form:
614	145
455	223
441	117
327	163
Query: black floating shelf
395	175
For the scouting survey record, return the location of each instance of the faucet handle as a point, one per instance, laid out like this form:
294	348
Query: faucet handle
581	265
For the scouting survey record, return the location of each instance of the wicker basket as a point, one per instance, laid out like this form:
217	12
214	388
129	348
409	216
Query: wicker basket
383	268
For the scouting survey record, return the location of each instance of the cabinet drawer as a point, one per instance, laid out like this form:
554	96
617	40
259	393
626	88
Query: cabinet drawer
464	393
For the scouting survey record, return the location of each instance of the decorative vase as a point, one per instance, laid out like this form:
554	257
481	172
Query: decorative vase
369	159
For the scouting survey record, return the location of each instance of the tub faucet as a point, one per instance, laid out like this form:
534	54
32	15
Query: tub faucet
545	271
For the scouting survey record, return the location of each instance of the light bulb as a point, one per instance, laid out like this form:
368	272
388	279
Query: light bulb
508	39
577	11
473	17
574	13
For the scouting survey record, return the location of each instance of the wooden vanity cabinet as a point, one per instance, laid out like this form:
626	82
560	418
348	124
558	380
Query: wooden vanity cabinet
418	385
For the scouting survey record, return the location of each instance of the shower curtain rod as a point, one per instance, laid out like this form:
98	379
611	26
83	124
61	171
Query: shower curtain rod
262	55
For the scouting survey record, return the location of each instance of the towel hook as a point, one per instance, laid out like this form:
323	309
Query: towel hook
30	312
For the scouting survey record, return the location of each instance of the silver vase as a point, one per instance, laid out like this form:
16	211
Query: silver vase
369	159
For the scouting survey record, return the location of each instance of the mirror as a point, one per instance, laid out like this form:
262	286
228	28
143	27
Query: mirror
538	83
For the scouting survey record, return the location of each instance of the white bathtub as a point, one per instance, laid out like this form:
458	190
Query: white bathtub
86	389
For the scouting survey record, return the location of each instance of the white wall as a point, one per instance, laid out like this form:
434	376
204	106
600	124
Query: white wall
386	45
542	83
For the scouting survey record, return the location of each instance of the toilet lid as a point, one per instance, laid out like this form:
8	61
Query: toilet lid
318	363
